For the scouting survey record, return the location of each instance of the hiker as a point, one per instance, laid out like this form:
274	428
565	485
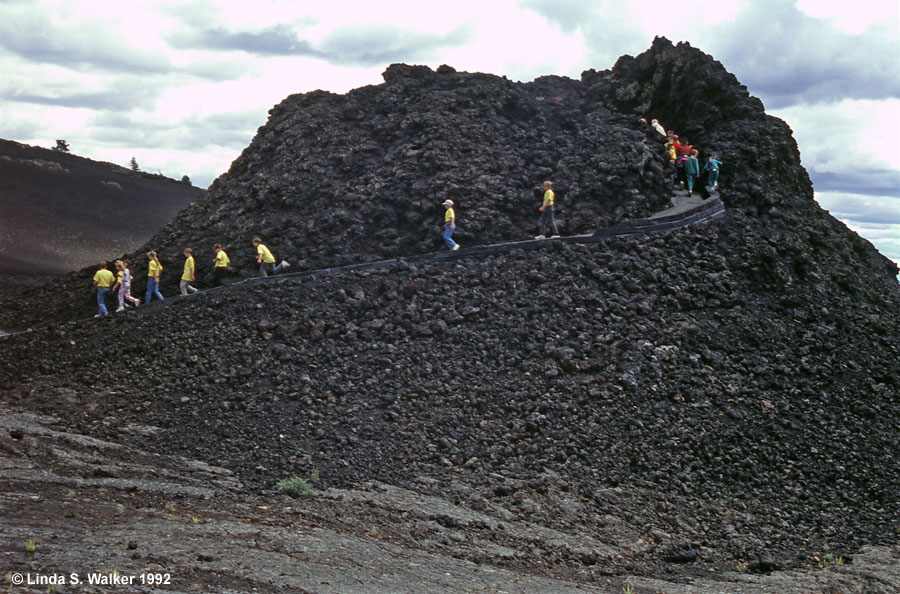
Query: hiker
692	170
548	222
266	260
449	224
670	150
658	127
103	280
712	165
220	264
682	152
123	284
154	270
188	274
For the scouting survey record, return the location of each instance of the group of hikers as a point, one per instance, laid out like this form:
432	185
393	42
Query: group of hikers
685	162
547	223
108	283
683	157
119	283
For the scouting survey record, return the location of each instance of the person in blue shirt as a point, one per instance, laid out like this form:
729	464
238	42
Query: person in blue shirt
712	165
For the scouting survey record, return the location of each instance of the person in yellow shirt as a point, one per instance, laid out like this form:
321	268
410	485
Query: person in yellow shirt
220	264
188	274
266	260
548	222
103	281
449	224
154	270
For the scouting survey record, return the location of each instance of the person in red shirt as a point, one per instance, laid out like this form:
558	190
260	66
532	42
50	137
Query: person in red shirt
682	151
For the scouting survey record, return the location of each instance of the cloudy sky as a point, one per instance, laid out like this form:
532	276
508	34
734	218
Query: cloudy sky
182	85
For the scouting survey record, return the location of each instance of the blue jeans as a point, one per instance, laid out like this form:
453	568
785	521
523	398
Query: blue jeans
448	233
713	178
102	292
548	222
153	289
267	268
186	287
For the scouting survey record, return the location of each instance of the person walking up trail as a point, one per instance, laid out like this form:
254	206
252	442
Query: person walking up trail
123	284
188	273
712	165
692	170
449	224
266	260
670	150
548	221
103	280
154	270
682	152
220	264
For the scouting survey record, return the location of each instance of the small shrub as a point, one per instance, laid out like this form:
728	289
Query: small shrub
30	546
829	560
297	487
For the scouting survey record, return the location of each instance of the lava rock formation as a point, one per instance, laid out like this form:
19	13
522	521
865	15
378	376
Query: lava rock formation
731	391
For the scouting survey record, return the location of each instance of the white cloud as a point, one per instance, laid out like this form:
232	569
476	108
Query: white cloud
877	218
520	44
850	141
855	17
861	208
676	19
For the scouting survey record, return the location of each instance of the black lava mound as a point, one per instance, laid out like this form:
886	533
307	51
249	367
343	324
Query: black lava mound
338	179
732	391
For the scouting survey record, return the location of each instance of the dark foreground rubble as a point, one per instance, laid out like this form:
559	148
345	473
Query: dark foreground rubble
96	508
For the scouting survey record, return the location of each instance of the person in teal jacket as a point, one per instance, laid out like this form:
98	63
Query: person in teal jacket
712	165
692	170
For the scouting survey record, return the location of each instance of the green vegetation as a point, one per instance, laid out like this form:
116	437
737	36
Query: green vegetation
829	560
30	546
299	487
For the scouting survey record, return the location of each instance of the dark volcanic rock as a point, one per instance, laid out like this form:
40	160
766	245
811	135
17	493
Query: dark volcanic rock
730	392
338	179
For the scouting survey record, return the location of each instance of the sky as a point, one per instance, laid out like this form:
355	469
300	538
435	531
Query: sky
183	85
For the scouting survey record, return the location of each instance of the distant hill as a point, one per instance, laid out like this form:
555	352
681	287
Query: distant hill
60	212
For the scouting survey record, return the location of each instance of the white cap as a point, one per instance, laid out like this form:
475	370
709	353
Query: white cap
447	203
